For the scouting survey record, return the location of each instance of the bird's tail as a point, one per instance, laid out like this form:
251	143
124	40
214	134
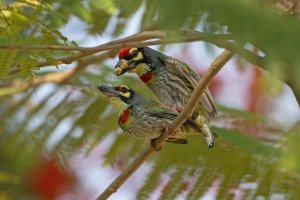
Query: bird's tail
201	126
210	136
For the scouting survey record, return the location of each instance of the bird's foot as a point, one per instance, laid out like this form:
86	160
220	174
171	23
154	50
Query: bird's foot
177	109
154	146
177	132
166	129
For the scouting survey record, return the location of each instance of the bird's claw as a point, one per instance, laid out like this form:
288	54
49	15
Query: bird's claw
166	129
177	109
154	146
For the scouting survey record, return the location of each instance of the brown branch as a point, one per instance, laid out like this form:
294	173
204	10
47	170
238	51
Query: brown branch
132	40
215	67
106	46
141	39
69	59
44	47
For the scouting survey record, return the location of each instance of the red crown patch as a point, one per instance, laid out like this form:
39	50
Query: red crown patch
124	53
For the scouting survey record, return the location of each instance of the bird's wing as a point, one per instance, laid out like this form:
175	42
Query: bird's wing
167	113
186	72
158	110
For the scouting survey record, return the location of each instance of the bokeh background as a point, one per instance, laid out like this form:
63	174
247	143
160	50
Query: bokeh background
61	140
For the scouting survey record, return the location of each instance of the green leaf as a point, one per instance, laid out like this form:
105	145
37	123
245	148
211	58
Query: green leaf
7	58
28	64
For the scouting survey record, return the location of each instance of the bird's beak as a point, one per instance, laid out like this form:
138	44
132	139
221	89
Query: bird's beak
113	96
108	91
123	66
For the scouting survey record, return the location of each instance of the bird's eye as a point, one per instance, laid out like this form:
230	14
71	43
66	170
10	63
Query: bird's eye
134	53
123	90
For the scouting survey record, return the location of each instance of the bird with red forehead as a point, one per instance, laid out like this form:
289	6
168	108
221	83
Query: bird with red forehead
124	53
171	80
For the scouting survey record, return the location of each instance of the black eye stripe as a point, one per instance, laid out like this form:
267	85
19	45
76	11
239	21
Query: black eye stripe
134	53
122	89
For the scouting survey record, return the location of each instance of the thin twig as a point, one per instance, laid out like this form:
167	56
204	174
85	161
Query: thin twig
132	40
71	58
215	67
141	39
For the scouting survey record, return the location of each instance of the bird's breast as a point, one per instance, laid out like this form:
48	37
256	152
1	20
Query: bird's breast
147	77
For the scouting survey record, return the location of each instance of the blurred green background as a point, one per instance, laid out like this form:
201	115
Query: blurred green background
56	136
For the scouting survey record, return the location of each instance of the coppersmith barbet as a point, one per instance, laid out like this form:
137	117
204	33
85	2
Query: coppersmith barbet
146	118
171	80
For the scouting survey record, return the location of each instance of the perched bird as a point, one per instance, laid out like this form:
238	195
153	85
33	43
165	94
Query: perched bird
171	80
146	118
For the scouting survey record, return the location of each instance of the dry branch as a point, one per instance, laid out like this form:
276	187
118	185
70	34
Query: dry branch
215	67
142	39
